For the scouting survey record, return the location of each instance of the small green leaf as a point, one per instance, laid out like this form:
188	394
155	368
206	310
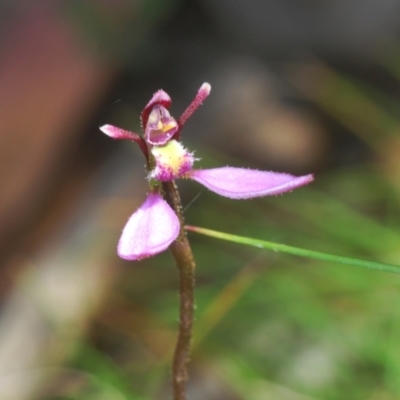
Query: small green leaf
262	244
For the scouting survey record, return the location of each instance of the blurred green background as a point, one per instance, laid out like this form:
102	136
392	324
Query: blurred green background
298	87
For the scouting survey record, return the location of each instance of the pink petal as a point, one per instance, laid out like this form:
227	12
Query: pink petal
118	133
150	230
241	183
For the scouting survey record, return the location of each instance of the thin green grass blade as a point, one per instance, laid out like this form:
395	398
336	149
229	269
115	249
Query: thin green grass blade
262	244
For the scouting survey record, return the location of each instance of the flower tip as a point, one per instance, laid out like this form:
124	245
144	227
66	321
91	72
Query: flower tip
308	179
161	97
108	130
205	88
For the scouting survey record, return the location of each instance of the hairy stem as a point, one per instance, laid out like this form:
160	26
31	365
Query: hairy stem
183	256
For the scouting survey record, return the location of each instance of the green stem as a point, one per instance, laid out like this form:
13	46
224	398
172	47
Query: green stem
263	244
183	256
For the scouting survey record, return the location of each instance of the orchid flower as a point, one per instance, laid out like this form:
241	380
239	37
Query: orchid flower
154	226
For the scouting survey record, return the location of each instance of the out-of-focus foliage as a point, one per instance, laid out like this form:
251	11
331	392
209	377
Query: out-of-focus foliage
119	29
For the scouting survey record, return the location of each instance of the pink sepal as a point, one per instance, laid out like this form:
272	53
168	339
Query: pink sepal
118	133
241	183
150	230
201	95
